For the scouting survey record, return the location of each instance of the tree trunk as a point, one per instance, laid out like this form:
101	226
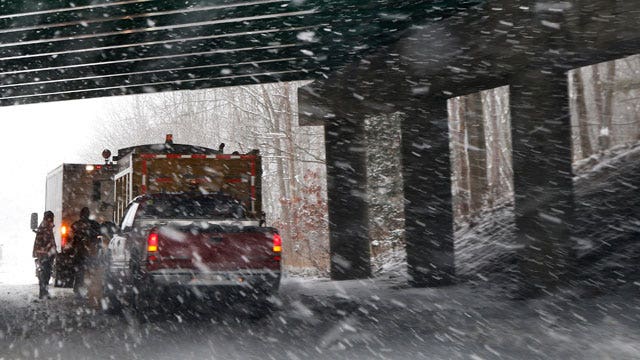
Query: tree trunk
607	105
281	170
476	152
460	159
291	167
583	119
492	139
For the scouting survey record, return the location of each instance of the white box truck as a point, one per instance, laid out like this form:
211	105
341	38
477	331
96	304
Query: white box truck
69	188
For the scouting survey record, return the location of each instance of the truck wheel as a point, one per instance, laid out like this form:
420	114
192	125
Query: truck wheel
111	304
142	301
261	307
140	295
110	301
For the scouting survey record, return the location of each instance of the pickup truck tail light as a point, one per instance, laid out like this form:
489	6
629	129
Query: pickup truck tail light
277	246
152	249
152	241
277	243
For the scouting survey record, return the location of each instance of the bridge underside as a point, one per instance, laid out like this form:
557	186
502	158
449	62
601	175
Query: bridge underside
61	50
528	45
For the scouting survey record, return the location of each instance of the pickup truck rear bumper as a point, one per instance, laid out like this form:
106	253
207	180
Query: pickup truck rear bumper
253	279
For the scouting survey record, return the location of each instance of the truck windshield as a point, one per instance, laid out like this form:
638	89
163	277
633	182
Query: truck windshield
191	208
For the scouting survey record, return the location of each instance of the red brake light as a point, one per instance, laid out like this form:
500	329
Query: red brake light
277	243
152	241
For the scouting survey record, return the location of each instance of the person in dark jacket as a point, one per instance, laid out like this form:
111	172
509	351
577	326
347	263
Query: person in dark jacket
44	251
84	236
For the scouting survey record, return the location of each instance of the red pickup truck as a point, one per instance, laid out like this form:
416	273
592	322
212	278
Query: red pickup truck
200	244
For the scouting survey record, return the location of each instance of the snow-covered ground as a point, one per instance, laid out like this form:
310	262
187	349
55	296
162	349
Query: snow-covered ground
605	235
607	203
321	319
487	245
16	264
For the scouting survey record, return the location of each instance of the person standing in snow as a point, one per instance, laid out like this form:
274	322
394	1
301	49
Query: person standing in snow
84	235
44	251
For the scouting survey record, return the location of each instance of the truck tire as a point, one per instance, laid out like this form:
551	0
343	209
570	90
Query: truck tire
140	299
110	301
260	310
262	306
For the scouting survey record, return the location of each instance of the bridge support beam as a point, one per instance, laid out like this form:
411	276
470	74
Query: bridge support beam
427	191
544	205
342	116
347	198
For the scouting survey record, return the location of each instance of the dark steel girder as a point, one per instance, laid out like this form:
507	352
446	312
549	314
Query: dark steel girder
60	49
139	88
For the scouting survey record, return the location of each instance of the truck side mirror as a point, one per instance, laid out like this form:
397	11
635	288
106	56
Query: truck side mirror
34	221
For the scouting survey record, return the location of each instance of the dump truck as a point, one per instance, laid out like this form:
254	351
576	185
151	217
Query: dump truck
190	219
69	188
168	167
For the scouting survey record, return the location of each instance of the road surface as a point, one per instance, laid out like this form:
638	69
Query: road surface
322	319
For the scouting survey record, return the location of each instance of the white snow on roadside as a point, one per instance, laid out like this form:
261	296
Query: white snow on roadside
16	265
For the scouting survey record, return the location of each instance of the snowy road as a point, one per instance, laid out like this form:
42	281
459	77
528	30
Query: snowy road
320	319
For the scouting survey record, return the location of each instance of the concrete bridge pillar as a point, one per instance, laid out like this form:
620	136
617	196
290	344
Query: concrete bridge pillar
541	136
427	191
342	116
347	197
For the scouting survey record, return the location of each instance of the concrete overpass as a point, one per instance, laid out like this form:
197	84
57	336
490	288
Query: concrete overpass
529	45
57	50
368	58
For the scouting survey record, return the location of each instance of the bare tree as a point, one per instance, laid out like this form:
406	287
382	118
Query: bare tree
603	86
459	158
581	120
605	112
480	135
476	151
385	194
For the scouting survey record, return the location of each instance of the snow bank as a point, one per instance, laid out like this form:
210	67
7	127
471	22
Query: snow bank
17	265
